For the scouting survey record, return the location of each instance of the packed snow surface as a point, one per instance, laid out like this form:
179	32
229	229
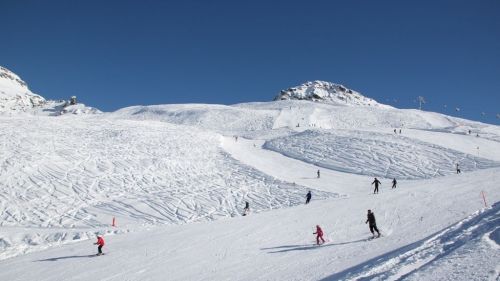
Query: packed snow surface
175	179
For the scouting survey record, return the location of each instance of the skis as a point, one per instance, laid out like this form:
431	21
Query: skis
326	242
373	237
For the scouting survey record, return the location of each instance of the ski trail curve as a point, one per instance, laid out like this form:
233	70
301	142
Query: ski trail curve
251	153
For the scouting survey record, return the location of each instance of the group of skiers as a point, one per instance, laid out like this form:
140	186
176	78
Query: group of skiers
370	219
376	182
370	216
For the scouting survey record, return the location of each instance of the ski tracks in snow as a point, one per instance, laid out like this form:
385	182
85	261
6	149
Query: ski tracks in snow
408	262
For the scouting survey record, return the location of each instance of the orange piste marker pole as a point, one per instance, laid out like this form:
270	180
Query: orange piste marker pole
484	199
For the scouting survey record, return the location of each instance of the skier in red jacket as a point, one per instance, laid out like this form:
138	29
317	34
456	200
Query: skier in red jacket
319	235
100	243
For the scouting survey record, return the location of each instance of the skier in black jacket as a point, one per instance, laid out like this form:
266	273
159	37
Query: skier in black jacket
247	208
308	197
373	225
394	183
376	182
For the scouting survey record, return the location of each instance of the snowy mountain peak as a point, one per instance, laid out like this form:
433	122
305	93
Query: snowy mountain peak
14	93
14	79
327	92
16	97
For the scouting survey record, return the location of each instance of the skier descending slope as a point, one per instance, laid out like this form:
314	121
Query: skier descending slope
100	243
247	208
376	182
319	235
394	183
308	197
372	223
318	173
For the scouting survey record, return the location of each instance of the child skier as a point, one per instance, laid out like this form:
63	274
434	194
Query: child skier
319	235
100	243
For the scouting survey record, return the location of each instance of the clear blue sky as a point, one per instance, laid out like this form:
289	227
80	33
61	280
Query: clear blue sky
113	54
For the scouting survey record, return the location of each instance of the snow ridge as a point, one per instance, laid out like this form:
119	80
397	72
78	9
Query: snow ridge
327	92
16	97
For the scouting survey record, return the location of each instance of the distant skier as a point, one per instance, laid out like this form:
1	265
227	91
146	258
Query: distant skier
319	235
100	243
458	170
247	208
308	197
394	183
395	131
400	131
376	182
318	173
371	222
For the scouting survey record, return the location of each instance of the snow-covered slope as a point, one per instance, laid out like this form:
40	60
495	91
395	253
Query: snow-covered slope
327	92
78	173
16	98
211	117
176	177
376	154
297	115
15	95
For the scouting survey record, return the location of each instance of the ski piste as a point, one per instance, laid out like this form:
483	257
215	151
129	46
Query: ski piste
172	174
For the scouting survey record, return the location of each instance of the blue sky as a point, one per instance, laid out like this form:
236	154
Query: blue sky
113	54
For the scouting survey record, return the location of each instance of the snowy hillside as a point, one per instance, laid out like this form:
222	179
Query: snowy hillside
15	95
385	155
16	98
327	92
176	178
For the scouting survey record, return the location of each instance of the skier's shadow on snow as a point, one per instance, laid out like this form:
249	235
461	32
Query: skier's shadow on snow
290	248
66	257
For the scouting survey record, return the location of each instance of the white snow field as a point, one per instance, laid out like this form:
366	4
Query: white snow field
176	178
385	155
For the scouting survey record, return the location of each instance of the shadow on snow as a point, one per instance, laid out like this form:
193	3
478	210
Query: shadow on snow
433	247
290	248
66	257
